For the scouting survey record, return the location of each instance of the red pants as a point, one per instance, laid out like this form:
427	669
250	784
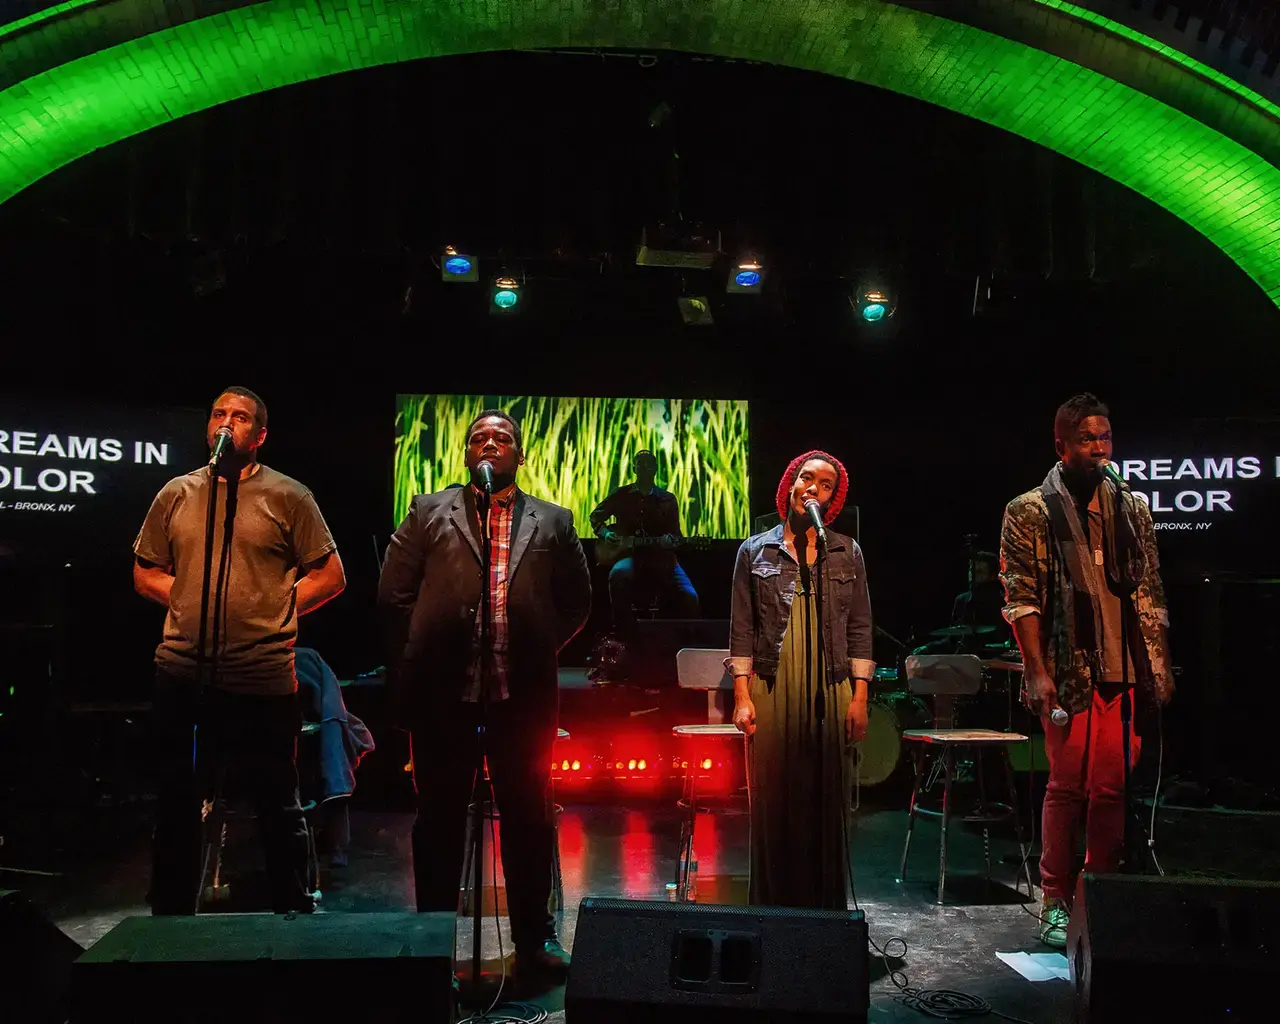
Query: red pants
1073	780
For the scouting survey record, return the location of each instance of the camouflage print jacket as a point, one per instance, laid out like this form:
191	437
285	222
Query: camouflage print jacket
1037	582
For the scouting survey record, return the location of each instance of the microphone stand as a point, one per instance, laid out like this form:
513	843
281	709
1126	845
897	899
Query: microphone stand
1126	714
210	518
207	647
819	569
480	788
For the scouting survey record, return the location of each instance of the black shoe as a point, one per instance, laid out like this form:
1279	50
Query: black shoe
548	960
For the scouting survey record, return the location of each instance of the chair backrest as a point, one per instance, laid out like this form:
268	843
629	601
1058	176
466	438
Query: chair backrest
944	674
702	668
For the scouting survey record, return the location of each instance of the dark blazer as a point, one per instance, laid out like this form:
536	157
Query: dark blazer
429	594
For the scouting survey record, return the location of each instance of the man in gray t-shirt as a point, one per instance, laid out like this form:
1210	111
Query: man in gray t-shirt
275	562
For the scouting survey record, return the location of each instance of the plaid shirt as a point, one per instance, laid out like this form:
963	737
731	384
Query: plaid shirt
501	517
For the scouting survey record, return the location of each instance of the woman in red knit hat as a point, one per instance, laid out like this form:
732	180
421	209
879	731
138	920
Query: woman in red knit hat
800	657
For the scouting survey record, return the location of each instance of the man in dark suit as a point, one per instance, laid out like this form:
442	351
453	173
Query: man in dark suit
539	598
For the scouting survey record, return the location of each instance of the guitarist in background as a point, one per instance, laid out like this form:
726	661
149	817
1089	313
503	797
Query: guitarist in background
642	509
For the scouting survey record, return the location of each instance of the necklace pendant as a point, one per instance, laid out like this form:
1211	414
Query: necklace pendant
1097	557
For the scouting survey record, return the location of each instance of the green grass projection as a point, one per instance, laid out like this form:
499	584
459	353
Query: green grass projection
577	450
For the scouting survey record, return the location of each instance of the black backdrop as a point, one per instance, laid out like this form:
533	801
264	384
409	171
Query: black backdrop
246	246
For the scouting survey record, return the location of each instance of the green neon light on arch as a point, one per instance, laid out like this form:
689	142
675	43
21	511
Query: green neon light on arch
1215	76
1218	186
43	15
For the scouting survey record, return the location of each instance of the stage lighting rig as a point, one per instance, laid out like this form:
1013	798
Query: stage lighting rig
678	246
746	275
504	295
457	267
874	302
695	310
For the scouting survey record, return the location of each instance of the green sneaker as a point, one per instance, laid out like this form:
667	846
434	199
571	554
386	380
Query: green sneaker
1054	917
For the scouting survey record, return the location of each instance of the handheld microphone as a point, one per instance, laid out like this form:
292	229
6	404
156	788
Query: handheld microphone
1111	473
1059	717
815	513
485	472
222	440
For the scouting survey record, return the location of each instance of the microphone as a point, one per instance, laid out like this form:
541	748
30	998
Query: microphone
485	472
815	513
1058	716
1111	473
222	440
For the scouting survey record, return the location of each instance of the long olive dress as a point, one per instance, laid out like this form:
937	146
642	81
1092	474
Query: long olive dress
798	775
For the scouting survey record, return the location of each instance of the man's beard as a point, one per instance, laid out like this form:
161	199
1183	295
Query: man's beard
501	481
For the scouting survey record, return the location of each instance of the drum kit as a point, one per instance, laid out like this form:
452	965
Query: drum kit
892	708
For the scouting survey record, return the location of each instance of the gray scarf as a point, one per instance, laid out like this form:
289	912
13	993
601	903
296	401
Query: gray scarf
1122	557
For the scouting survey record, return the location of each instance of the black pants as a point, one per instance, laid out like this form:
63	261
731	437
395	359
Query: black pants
519	751
255	738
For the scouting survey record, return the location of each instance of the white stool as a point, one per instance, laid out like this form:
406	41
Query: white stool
688	798
945	677
697	668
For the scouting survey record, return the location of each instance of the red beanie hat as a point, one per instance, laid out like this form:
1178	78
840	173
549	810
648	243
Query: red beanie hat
835	505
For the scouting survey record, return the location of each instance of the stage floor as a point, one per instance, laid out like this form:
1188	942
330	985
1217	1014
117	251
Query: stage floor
630	851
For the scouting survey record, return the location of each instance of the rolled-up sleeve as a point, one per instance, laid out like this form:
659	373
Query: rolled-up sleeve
742	619
859	633
1021	536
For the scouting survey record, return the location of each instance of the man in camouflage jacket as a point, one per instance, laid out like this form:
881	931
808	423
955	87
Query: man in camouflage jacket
1080	569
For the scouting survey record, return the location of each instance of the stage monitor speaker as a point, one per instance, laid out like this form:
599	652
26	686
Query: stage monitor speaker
1142	947
254	968
37	958
641	961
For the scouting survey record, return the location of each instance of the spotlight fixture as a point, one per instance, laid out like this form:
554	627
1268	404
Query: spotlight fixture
695	310
458	267
746	276
874	302
504	296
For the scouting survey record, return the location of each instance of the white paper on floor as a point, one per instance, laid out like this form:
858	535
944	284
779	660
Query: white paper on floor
1038	966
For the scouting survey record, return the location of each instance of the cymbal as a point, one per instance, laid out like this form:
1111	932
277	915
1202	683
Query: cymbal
1008	645
963	631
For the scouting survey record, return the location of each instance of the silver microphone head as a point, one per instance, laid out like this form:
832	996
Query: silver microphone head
223	438
814	507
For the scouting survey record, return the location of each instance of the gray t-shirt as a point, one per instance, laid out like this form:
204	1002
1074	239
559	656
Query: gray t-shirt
278	527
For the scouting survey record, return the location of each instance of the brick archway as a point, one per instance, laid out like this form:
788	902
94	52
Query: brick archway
153	70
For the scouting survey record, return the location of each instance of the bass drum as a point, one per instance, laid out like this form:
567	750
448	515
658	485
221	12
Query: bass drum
877	757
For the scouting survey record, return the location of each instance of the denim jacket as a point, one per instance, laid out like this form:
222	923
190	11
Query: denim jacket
764	583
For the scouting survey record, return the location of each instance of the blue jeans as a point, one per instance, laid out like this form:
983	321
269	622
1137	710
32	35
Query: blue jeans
667	581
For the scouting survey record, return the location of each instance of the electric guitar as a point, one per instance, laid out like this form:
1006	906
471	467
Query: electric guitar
610	551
